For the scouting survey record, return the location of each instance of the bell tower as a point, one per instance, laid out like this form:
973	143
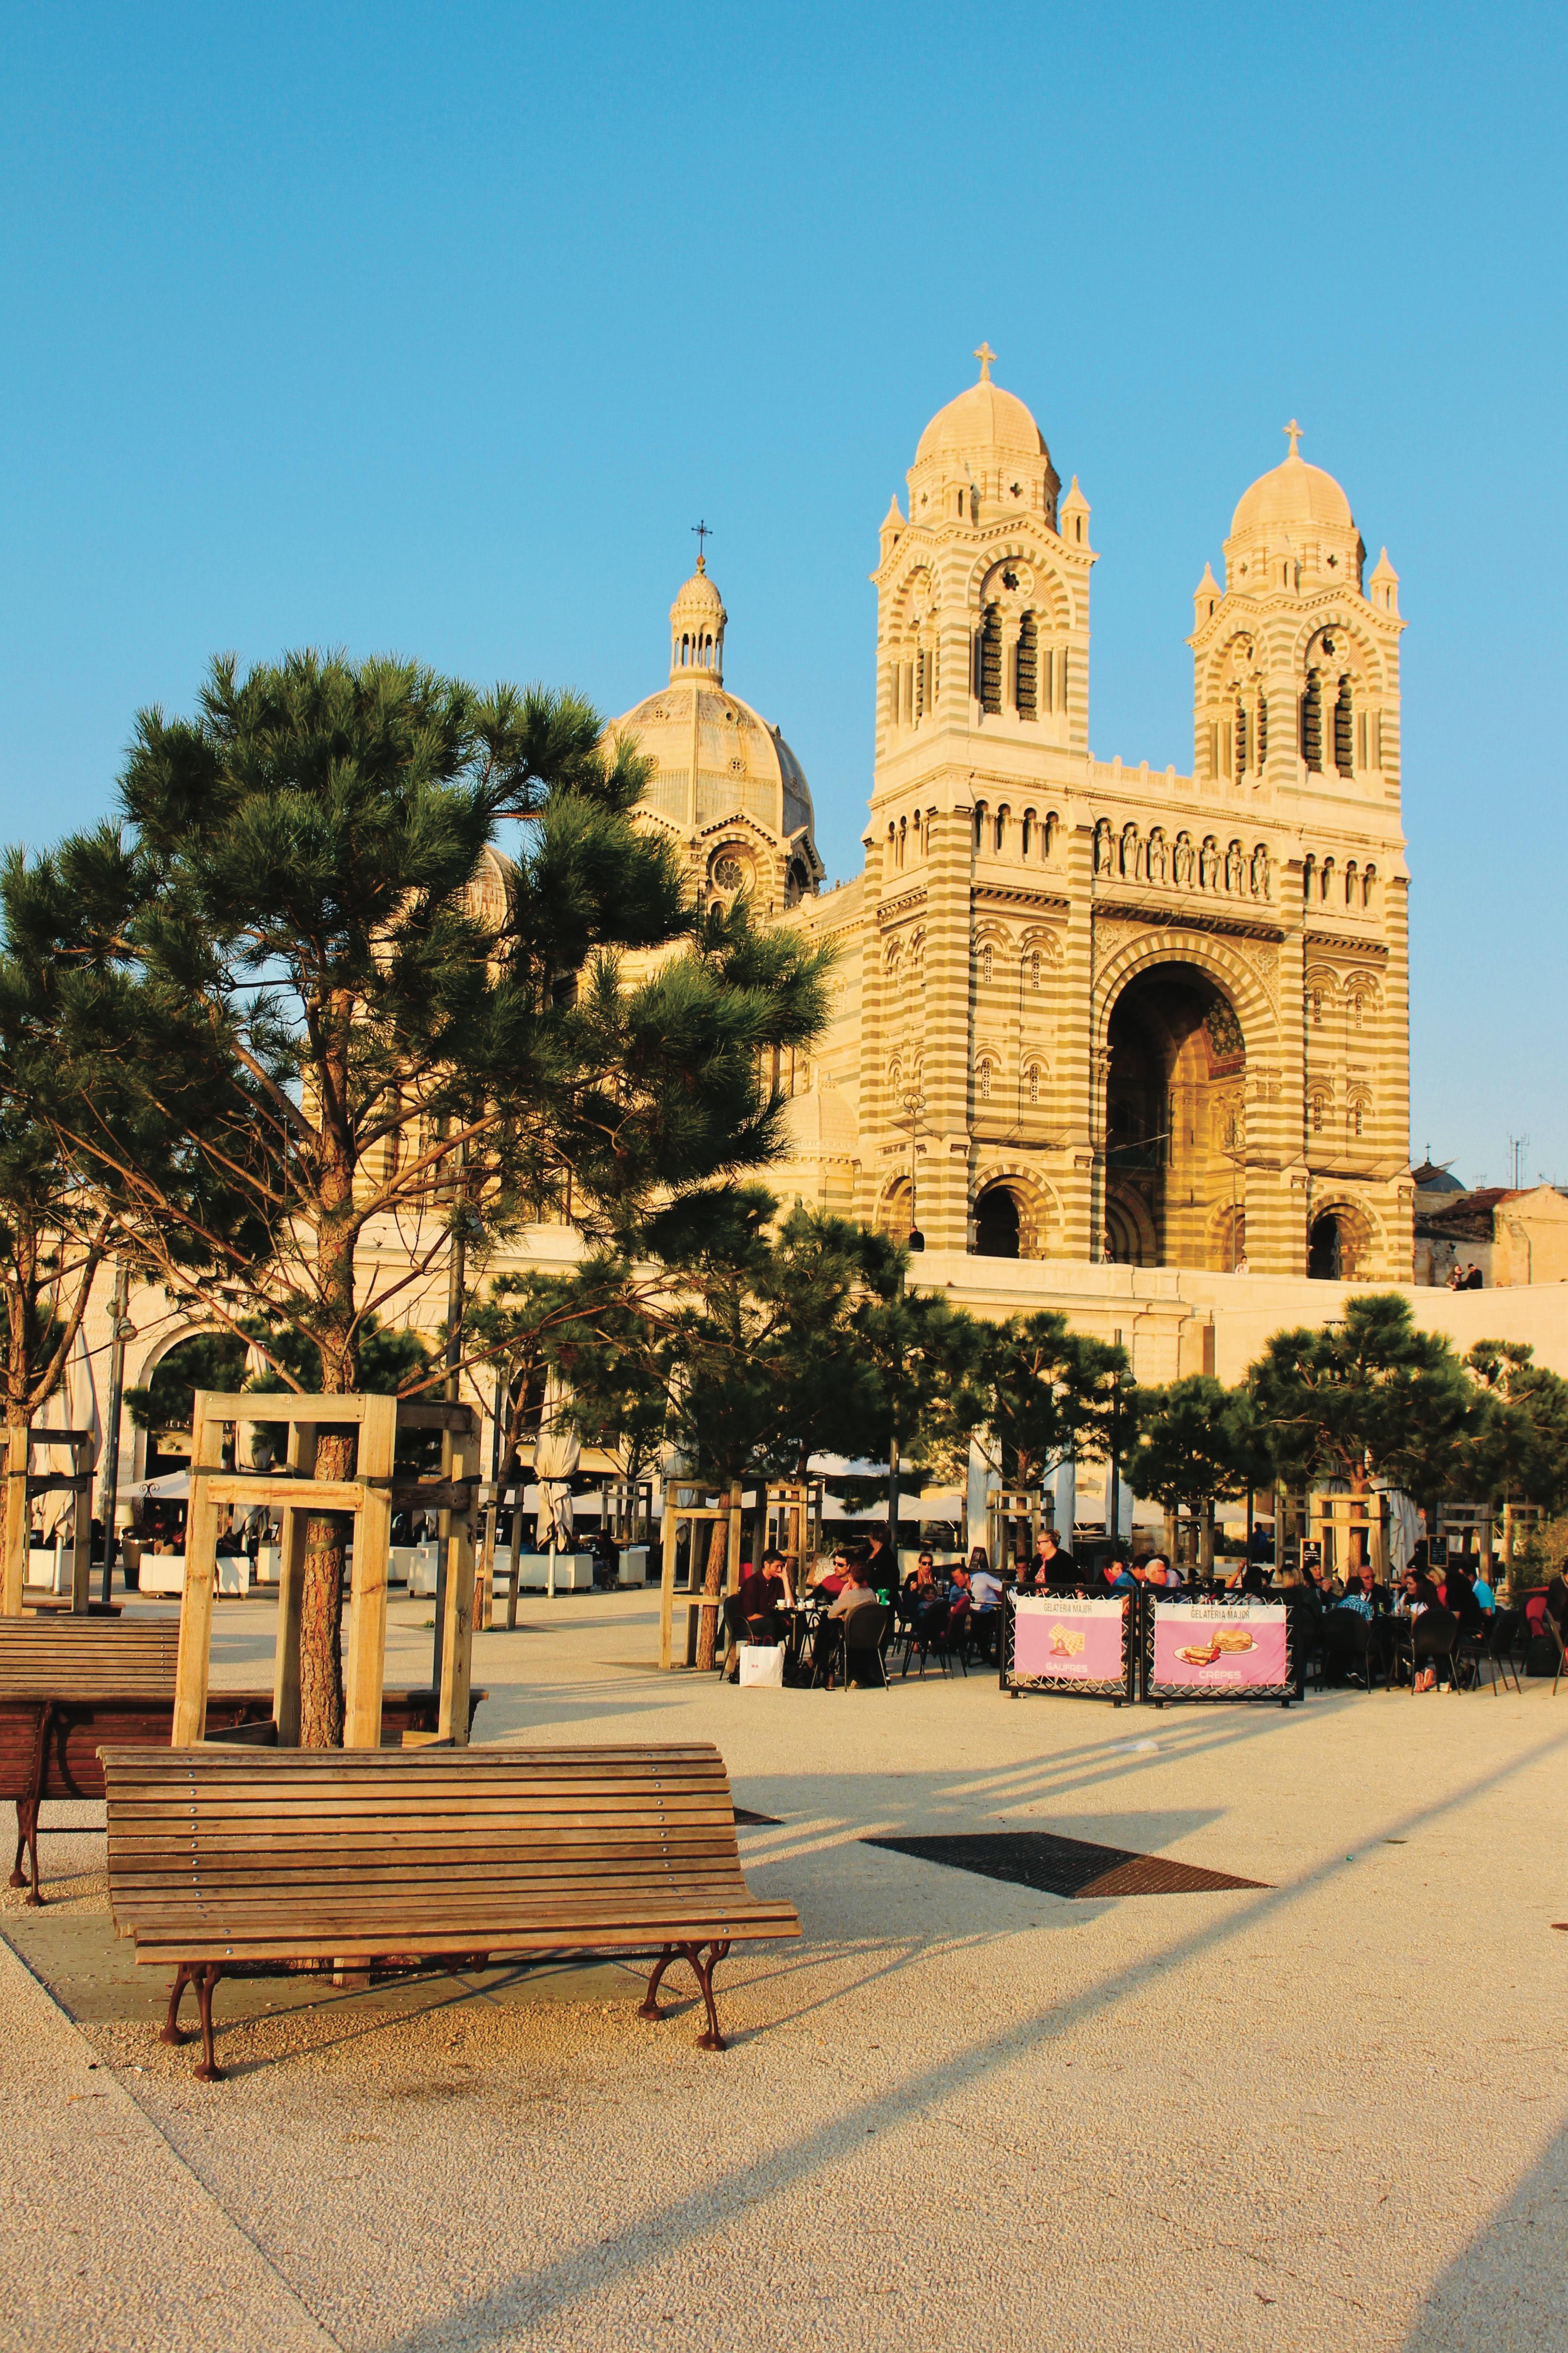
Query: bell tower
982	730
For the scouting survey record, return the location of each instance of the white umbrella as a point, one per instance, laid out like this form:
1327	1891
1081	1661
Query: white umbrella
556	1455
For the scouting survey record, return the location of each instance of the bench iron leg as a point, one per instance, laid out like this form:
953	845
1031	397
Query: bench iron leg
703	1969
171	2030
650	2007
206	1978
27	1849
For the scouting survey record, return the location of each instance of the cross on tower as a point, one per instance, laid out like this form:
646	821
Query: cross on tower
704	531
986	356
1293	433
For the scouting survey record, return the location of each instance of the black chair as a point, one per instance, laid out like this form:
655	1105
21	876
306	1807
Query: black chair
1502	1638
927	1635
1353	1646
862	1643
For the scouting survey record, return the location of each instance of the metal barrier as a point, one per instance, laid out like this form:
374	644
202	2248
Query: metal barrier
1069	1642
1237	1647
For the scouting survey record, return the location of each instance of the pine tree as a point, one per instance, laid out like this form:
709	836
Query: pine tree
297	951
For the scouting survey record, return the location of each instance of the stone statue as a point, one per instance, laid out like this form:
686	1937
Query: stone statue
1208	862
1185	860
1102	846
1233	867
1129	852
1159	856
1260	873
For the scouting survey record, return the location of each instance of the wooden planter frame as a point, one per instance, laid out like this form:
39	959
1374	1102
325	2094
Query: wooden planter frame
371	1497
695	1514
77	1482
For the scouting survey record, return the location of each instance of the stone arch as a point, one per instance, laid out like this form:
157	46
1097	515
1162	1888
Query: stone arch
1051	597
1035	1201
1344	1239
1176	1023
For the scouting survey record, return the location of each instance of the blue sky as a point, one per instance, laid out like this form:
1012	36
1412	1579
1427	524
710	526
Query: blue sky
437	329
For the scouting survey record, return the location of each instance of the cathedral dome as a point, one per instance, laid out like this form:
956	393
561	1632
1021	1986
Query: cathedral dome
716	761
983	419
1294	493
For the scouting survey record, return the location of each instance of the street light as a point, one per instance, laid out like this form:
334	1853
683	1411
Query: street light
914	1103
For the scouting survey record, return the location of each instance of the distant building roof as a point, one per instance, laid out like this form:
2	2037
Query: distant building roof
1437	1176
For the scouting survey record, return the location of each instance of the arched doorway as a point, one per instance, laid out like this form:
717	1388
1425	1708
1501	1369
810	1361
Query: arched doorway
1175	1174
998	1227
1336	1240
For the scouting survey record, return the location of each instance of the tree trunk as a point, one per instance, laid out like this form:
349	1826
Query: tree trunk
1205	1554
321	1604
713	1585
1171	1538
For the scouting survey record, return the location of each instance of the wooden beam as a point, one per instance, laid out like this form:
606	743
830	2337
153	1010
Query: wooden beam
194	1661
457	1628
298	1494
284	1405
14	1573
368	1592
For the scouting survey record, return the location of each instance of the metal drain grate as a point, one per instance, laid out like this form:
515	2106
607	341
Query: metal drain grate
1064	1866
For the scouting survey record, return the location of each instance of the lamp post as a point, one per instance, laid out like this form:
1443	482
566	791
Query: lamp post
914	1103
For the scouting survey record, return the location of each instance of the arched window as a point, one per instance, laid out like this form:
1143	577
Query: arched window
1035	1080
1242	745
1028	832
1026	669
1356	1003
1326	881
1317	1008
922	683
1312	723
1350	886
903	838
985	963
1035	968
1344	731
1308	869
1367	880
979	824
989	680
1002	816
1320	1109
983	1077
1052	823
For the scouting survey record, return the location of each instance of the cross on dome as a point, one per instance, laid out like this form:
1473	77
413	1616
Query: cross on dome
986	356
1293	434
704	531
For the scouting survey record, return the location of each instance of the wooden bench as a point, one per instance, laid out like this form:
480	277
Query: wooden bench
223	1863
68	1689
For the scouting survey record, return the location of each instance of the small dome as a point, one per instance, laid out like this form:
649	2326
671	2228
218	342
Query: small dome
697	622
1294	493
983	419
697	595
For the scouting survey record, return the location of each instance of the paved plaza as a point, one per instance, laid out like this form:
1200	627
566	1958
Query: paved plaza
1327	2111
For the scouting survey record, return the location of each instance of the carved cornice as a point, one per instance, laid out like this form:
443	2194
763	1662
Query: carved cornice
1343	941
1181	915
901	905
999	894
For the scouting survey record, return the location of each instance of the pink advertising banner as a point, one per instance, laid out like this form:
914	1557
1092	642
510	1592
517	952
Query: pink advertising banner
1067	1641
1209	1646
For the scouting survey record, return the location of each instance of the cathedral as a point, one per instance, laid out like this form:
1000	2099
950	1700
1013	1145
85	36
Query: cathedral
1083	1013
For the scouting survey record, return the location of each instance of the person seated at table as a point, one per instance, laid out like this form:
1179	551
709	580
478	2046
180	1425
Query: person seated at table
1431	1627
1117	1575
831	1580
1052	1564
855	1595
1156	1571
920	1590
1483	1594
761	1594
881	1568
985	1587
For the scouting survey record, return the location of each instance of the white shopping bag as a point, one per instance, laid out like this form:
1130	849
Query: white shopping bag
763	1662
